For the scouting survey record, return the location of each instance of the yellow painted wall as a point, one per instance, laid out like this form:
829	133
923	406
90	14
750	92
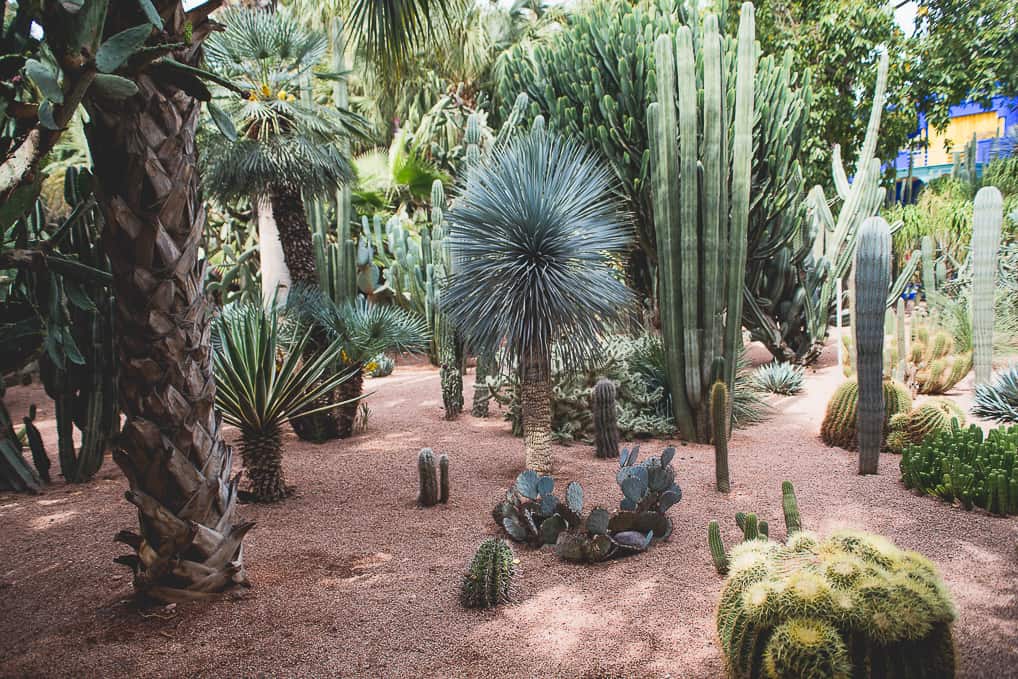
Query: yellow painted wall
958	133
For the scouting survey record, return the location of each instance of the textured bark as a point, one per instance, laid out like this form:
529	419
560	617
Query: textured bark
276	281
535	402
170	449
347	413
295	236
262	453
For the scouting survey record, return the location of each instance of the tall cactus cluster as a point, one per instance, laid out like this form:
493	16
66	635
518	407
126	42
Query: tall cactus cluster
701	232
434	488
840	423
850	605
448	345
872	278
988	215
933	365
488	581
595	82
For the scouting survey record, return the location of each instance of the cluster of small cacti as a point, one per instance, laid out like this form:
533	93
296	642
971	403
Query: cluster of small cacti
531	512
488	581
606	424
851	605
839	425
779	378
998	401
929	417
964	466
933	367
753	528
434	487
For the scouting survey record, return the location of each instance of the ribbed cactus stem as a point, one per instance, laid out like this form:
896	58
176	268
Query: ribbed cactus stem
872	278
750	530
987	218
719	407
790	508
428	494
929	251
443	478
901	339
689	208
606	427
717	548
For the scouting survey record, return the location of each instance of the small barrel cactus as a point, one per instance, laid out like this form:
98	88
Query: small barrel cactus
606	425
853	605
839	425
912	428
489	580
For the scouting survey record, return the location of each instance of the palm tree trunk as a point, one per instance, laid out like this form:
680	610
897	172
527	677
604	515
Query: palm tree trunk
170	449
347	413
262	453
535	402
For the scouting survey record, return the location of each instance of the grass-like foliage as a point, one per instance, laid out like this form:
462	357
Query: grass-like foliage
779	378
998	401
532	236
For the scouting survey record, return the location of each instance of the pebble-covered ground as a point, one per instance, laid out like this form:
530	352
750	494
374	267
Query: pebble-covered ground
351	579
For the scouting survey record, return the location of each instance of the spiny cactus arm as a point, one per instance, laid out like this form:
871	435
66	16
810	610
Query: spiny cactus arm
987	217
869	145
790	508
689	209
714	209
717	548
841	184
720	417
904	276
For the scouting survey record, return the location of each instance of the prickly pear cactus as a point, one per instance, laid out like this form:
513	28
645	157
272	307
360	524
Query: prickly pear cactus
488	581
853	605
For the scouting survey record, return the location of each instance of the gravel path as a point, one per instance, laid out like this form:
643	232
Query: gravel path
352	580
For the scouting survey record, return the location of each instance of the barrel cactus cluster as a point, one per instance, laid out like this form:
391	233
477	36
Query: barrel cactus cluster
966	466
927	418
531	512
850	605
839	426
987	218
488	581
934	367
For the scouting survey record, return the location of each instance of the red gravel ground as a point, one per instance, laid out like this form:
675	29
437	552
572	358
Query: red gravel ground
352	580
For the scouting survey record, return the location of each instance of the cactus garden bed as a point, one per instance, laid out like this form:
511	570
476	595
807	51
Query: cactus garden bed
353	579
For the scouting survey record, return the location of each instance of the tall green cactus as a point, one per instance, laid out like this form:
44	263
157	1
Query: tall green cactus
702	244
720	407
447	341
987	217
872	279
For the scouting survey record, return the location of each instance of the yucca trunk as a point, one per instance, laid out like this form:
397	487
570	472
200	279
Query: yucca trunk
262	453
535	404
170	449
347	413
299	253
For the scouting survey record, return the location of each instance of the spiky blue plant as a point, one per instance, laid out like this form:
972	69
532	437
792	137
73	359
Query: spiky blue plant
779	378
998	401
532	237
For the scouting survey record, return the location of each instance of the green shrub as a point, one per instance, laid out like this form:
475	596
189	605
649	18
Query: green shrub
965	466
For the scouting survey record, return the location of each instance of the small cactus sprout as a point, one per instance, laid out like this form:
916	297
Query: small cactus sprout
790	507
443	479
428	496
719	406
606	426
750	530
717	548
489	580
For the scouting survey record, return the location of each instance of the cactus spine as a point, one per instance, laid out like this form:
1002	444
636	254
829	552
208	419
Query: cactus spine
701	314
606	425
428	495
872	279
987	218
719	406
489	579
448	344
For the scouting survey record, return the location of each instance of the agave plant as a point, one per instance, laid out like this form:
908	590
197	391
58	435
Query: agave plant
779	378
363	331
532	235
998	401
262	381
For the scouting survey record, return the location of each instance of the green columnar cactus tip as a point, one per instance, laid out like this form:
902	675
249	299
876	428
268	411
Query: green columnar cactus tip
872	279
720	405
488	581
987	217
606	426
443	479
428	495
790	508
717	548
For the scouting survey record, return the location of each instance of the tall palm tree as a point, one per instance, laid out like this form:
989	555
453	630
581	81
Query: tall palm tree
363	330
532	234
257	391
288	145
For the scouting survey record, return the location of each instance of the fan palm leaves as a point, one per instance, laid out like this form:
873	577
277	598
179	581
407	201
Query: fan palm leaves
262	380
532	237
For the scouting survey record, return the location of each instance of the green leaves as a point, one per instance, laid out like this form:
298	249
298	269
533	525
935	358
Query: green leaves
151	14
222	121
118	49
45	78
114	86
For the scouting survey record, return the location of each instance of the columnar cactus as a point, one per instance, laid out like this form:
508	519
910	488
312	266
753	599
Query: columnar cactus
701	315
852	605
428	494
901	340
790	508
872	279
606	425
443	479
929	251
448	344
719	405
489	579
988	215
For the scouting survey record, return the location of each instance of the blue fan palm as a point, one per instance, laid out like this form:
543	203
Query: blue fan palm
532	237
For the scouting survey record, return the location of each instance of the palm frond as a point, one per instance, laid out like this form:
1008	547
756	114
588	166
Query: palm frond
532	236
389	30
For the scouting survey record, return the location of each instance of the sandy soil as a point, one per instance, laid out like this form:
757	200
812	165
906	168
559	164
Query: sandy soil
352	580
